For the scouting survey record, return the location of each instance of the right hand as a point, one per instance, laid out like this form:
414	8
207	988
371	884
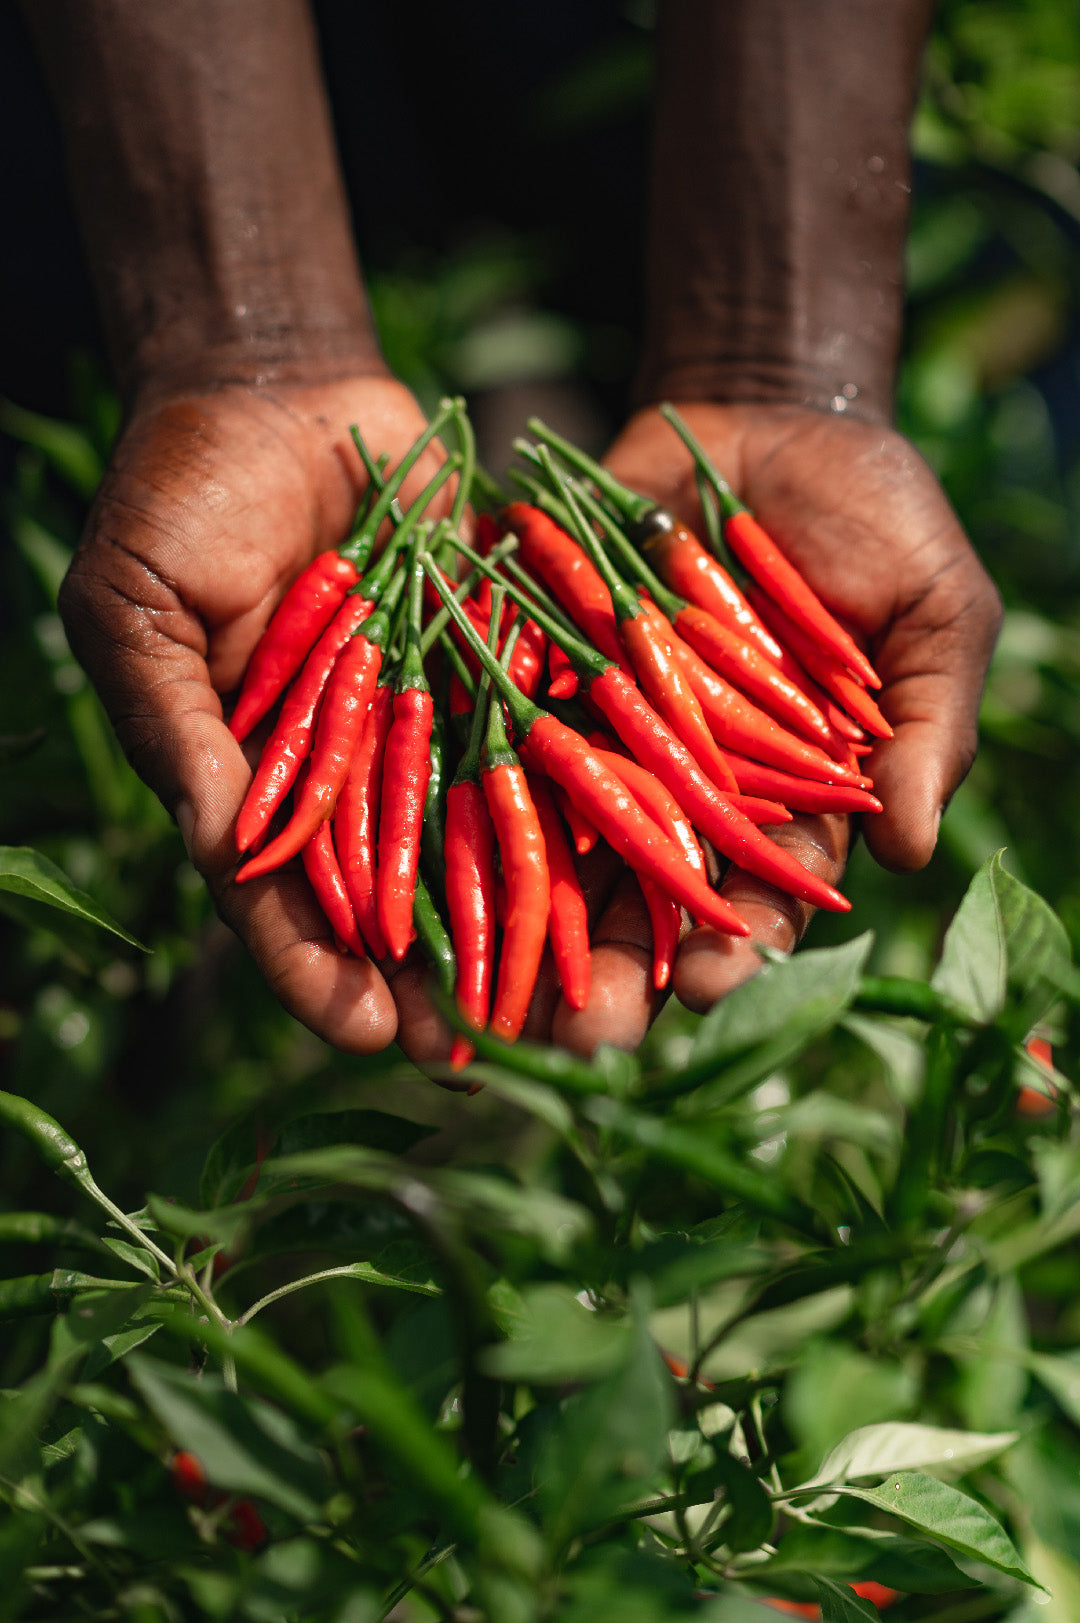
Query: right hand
213	503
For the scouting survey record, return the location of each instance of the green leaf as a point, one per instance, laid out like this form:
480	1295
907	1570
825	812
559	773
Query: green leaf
142	1261
898	1445
554	1338
1060	1374
1003	935
66	447
840	1604
748	1517
773	1340
243	1445
609	1442
952	1517
790	1002
835	1388
26	873
911	1565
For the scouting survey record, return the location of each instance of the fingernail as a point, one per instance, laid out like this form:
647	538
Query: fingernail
185	822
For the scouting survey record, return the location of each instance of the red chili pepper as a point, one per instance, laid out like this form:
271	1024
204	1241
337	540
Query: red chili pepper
660	804
564	756
356	818
569	921
763	559
738	724
583	833
406	774
470	901
658	673
526	876
287	749
244	1528
696	574
734	835
296	624
667	684
765	813
328	882
404	790
560	563
652	742
341	719
828	671
189	1478
801	794
562	677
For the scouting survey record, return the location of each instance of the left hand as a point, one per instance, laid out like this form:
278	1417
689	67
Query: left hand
859	512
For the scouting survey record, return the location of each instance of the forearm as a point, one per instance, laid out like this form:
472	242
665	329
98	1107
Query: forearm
206	181
780	201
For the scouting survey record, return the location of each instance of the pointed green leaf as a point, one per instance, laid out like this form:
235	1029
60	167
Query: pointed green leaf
610	1441
758	1027
897	1445
840	1604
1003	935
243	1445
952	1517
26	873
553	1338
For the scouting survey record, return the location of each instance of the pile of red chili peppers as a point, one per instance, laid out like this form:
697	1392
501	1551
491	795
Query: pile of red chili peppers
443	749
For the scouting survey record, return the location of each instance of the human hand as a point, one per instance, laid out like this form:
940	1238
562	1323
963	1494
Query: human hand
213	503
862	516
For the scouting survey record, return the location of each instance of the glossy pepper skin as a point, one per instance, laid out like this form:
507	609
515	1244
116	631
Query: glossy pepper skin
406	772
470	902
341	718
287	748
326	880
296	624
527	878
560	563
826	670
569	921
356	819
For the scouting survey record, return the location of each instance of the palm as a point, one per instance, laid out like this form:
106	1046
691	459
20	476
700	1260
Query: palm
862	516
212	505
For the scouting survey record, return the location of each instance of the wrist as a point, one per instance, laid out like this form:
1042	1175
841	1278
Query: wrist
207	350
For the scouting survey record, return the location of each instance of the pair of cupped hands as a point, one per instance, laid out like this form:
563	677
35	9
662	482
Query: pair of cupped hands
216	499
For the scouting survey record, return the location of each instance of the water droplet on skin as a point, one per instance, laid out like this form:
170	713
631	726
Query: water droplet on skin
838	403
875	165
849	391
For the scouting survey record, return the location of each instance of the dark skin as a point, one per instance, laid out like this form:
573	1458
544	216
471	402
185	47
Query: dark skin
240	334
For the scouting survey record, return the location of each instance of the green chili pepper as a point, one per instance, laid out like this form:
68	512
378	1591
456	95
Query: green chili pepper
60	1153
433	937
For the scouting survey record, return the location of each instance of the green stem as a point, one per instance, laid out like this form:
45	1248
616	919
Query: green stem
729	502
358	547
522	710
412	674
630	503
625	600
586	659
665	599
439	621
453	655
467	449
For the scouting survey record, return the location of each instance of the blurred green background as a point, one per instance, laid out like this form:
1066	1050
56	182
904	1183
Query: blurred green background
161	1050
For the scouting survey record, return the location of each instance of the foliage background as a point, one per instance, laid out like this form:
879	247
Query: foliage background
162	1052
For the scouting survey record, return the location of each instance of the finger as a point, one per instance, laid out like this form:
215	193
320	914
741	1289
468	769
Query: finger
145	659
710	964
622	1002
933	664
